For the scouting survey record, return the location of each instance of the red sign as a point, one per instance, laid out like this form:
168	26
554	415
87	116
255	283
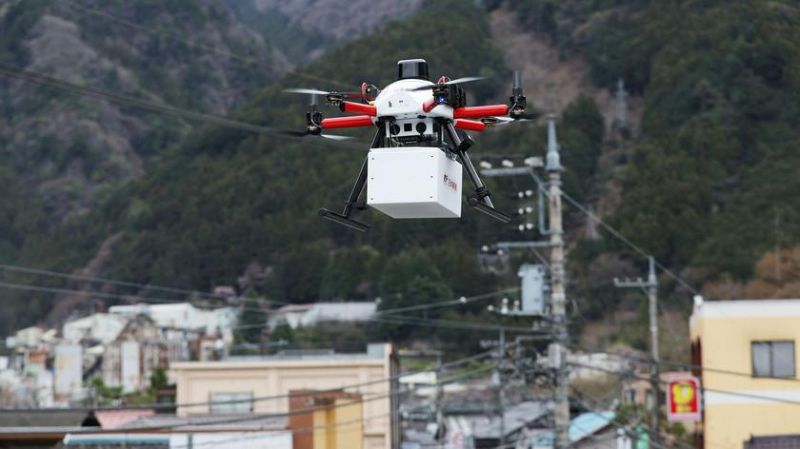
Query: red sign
683	400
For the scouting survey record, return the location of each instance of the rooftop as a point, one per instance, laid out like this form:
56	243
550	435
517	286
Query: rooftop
750	308
375	351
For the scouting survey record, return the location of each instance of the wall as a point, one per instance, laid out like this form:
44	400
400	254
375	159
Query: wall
725	334
274	376
68	371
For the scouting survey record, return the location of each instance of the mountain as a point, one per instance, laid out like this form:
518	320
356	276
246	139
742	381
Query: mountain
225	200
701	173
69	151
302	30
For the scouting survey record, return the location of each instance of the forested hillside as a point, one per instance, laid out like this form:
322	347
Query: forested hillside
63	153
707	183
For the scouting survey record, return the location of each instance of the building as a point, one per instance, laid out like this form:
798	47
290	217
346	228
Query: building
181	316
596	365
68	372
262	385
171	432
332	420
100	328
747	353
308	315
129	361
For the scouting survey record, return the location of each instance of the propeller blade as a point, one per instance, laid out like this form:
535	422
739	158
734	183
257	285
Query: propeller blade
503	120
296	90
293	133
296	133
357	96
335	137
466	79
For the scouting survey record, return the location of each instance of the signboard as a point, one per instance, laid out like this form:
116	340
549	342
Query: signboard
683	400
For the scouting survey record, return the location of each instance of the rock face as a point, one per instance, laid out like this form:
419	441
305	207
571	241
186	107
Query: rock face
303	30
67	148
337	19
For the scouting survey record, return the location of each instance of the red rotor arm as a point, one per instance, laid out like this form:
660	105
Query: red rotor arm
469	125
480	111
347	122
358	108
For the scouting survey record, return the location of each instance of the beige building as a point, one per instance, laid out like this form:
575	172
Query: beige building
748	354
249	385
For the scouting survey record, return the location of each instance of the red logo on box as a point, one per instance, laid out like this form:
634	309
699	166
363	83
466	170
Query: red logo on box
450	183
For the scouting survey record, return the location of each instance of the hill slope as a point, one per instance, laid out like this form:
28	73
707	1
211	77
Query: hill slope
68	151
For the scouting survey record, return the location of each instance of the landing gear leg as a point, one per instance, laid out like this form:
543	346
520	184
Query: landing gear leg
480	199
352	201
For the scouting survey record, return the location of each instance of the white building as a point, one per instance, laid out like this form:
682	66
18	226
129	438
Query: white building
181	316
68	372
130	360
307	315
599	365
100	327
29	337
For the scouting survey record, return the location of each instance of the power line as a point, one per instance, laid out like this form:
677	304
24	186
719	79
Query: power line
701	388
397	319
290	431
467	325
147	105
459	301
619	425
257	417
442	367
244	58
89	293
676	364
627	241
82	277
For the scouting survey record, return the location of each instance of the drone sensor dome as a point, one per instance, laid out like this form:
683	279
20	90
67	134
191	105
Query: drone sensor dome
412	69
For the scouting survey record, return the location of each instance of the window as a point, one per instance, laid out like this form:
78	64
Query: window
235	402
773	358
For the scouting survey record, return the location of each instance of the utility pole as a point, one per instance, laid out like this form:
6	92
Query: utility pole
650	286
555	233
439	399
557	293
501	393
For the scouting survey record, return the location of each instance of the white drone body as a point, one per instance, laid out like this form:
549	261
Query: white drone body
414	166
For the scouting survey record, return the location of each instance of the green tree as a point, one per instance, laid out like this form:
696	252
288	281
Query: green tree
158	379
410	279
253	318
281	335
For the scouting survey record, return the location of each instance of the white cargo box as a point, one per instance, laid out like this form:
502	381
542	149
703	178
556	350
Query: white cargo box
414	182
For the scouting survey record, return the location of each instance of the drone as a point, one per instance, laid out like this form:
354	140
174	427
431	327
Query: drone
414	165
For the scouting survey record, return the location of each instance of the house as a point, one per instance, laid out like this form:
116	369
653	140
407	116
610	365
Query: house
172	432
102	328
68	372
596	365
309	315
30	337
326	420
484	429
746	354
129	361
181	316
262	385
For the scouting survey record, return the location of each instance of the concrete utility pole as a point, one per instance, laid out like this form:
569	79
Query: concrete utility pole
555	234
557	293
651	288
501	392
439	400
